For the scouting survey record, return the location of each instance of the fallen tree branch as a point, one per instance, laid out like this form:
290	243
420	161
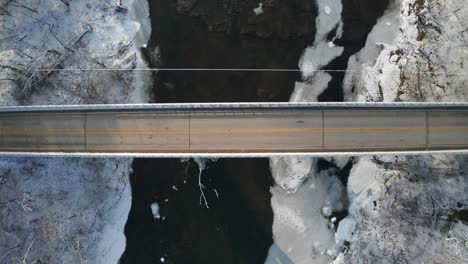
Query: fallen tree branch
12	68
25	7
65	2
7	37
29	249
39	71
201	186
3	7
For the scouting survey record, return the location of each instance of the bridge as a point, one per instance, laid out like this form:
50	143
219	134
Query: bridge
234	129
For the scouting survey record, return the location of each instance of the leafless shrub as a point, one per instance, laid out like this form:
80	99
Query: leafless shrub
44	64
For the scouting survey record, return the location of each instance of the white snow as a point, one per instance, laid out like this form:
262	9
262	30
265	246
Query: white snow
401	212
68	210
317	56
61	202
345	232
290	172
309	91
327	210
322	52
369	69
326	19
301	233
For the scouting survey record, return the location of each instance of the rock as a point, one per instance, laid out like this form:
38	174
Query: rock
394	59
345	232
327	211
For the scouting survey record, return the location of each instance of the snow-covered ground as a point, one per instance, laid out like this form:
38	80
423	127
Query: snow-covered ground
68	210
429	37
402	209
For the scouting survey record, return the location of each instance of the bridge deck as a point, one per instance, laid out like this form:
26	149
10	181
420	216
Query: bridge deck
238	130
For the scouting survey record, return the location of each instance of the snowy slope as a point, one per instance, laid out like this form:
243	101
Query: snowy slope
407	209
403	209
68	210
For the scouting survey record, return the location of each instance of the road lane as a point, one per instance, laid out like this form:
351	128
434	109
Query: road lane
234	130
271	130
29	132
373	129
137	131
448	128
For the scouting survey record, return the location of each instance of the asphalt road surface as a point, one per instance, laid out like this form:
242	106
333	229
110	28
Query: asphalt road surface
234	131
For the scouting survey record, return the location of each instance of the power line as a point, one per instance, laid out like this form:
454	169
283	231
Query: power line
229	70
174	69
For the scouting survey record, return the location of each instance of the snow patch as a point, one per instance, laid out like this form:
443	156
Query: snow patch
309	91
317	56
301	233
290	172
323	51
373	67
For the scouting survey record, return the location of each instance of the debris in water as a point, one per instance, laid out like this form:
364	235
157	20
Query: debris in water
201	166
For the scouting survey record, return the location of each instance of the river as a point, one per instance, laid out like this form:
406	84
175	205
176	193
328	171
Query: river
237	226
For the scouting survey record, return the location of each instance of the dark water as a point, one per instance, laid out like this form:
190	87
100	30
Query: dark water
237	228
227	34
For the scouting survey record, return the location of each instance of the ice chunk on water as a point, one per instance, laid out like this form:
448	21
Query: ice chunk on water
155	210
259	10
